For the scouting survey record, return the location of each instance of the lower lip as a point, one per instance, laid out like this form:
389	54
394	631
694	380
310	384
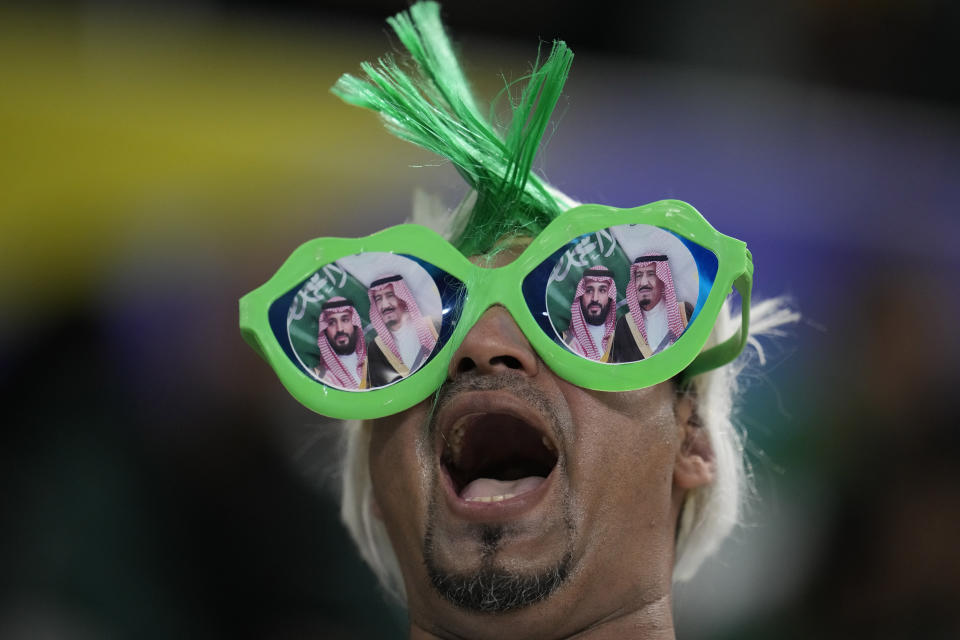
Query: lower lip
477	511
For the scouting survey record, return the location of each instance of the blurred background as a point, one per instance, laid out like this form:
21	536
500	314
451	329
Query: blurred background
161	159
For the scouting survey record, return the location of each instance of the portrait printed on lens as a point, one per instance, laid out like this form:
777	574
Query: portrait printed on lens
365	321
623	293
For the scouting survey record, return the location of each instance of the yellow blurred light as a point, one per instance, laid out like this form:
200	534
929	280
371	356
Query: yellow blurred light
105	120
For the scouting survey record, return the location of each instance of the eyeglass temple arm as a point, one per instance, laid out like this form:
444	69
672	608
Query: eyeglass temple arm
726	351
249	335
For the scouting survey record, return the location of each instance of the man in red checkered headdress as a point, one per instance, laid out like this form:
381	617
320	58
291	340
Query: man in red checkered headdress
343	352
405	338
593	315
655	319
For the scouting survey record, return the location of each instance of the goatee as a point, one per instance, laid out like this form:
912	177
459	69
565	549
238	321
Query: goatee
348	347
491	588
592	318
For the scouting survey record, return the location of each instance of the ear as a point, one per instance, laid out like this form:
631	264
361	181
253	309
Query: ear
695	465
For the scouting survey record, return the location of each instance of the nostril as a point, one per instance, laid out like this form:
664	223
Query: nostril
466	364
508	361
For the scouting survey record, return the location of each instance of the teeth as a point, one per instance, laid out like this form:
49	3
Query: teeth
455	442
505	496
458	434
549	445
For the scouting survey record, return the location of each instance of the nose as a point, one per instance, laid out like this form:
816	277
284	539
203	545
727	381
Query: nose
494	345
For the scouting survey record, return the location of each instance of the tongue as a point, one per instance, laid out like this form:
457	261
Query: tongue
488	487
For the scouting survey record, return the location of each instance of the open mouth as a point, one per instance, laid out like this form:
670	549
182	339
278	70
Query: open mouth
492	457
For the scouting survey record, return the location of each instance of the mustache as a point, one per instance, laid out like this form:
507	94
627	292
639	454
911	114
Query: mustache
388	309
594	304
515	383
645	287
340	334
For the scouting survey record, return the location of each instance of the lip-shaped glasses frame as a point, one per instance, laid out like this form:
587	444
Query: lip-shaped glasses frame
486	287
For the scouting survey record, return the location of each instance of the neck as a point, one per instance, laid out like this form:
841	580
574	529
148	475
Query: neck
653	621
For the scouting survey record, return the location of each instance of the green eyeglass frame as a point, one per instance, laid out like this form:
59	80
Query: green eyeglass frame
486	287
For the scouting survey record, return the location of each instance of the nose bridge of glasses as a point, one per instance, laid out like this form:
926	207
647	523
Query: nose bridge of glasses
491	287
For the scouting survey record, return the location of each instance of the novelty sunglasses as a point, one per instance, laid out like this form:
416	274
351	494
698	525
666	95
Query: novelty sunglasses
406	300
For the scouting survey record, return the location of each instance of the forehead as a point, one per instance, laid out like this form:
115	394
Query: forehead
386	289
337	314
506	251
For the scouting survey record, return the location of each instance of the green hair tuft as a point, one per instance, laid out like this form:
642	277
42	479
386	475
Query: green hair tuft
433	107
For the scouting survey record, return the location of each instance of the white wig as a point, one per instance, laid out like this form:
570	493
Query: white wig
709	513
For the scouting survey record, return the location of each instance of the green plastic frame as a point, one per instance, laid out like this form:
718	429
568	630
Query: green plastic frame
503	285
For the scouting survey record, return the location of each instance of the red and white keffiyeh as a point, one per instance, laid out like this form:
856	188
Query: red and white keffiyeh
662	265
402	292
578	324
331	361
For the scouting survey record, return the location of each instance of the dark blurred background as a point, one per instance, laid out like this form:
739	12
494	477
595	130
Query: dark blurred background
161	159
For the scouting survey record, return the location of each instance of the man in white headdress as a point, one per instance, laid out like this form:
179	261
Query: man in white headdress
593	315
515	503
405	338
343	353
655	319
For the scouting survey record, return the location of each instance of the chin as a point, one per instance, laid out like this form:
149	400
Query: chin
524	547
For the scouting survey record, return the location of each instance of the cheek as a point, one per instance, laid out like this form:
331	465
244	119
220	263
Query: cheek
625	450
398	473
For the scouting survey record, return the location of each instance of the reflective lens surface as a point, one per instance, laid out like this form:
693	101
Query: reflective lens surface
621	294
368	320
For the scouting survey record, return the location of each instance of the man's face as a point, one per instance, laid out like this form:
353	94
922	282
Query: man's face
341	332
649	287
595	301
392	309
524	496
